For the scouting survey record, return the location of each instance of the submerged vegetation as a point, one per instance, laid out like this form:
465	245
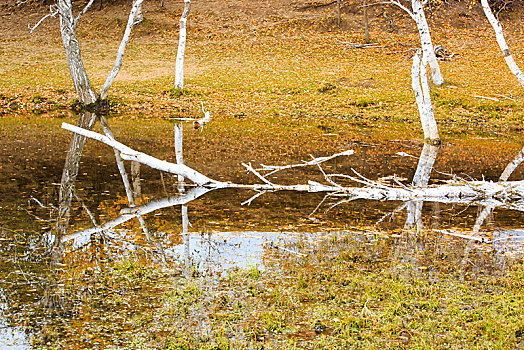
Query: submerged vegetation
347	290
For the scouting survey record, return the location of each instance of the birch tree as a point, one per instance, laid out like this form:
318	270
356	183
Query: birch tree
79	76
499	34
417	14
179	64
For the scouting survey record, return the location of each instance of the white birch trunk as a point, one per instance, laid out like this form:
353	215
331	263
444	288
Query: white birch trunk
121	49
419	83
179	65
425	165
179	151
86	95
425	40
502	42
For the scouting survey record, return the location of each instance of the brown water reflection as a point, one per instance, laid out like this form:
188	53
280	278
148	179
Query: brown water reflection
115	273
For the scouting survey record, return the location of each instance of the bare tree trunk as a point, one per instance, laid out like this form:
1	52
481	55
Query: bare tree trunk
502	42
135	179
422	95
86	95
179	65
510	168
425	165
425	38
366	22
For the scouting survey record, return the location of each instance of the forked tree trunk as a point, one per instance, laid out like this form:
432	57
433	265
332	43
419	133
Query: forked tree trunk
121	49
179	65
502	42
86	95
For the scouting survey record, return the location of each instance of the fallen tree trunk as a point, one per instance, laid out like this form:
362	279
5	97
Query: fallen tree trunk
455	191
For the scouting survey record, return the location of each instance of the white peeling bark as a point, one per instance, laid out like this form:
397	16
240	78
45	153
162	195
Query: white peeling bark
425	165
419	83
86	95
417	14
425	40
502	42
179	65
121	49
179	154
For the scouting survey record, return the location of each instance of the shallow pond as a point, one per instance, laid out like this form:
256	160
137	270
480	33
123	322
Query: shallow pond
215	233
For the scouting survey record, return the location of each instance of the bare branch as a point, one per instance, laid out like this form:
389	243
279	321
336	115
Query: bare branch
315	161
75	21
256	173
130	154
121	50
54	12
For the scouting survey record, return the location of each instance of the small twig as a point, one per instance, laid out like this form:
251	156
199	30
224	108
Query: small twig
392	214
315	161
342	202
87	210
404	154
321	202
40	203
487	98
328	178
257	174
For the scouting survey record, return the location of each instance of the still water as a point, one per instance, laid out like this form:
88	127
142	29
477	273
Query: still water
188	233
